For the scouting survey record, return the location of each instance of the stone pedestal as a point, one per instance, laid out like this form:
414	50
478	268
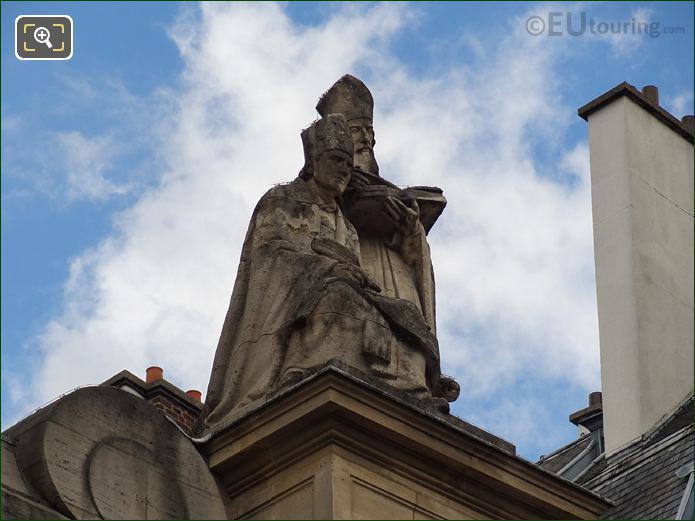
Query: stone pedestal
338	447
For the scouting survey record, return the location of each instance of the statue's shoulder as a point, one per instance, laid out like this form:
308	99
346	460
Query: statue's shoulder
296	190
285	196
297	185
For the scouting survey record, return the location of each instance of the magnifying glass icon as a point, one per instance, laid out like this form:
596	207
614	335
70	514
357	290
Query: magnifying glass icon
43	35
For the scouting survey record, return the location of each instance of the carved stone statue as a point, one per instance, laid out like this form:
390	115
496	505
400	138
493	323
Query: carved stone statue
392	223
302	296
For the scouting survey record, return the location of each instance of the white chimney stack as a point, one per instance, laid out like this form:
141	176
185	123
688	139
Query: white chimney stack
642	205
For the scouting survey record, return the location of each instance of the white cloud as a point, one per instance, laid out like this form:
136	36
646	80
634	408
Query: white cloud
73	164
626	37
512	251
681	104
579	25
86	161
524	422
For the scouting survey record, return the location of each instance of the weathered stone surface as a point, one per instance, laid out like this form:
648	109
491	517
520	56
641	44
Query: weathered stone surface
102	453
311	287
335	446
126	480
391	222
19	501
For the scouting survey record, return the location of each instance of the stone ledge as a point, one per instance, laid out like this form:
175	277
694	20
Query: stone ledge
379	387
336	415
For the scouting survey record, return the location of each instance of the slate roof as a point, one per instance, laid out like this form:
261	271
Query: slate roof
641	479
559	459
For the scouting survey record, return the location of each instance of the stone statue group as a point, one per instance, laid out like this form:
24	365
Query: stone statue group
335	265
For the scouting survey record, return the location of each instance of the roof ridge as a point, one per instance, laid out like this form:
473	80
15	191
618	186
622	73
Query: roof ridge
556	452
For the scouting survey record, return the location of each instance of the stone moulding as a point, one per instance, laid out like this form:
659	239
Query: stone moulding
321	448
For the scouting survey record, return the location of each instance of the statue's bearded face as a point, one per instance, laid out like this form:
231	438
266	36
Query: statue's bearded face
332	172
363	141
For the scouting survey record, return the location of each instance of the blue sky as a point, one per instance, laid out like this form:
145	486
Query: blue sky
129	173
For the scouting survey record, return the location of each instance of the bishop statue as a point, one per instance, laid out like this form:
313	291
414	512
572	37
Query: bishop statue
335	265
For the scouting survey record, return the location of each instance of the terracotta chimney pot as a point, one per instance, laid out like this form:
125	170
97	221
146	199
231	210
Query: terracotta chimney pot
154	373
195	394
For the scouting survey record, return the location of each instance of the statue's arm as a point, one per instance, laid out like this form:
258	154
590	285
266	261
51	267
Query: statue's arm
280	232
408	235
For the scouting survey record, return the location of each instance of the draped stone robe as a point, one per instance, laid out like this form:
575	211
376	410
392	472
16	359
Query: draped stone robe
291	310
403	270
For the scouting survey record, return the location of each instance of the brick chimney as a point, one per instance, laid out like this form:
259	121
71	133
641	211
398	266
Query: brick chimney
171	400
182	407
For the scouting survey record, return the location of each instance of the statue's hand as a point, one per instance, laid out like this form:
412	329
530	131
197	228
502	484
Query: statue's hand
404	217
357	274
449	388
358	180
